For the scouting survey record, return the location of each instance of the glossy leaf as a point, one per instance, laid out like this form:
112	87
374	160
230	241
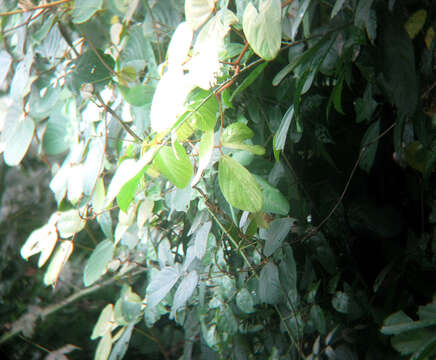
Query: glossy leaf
302	8
282	133
238	186
97	262
176	167
262	28
244	301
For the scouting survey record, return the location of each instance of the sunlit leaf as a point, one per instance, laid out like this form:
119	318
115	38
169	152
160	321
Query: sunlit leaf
237	132
205	153
69	223
20	142
198	11
184	291
176	167
104	347
105	323
262	28
59	259
42	241
121	346
238	186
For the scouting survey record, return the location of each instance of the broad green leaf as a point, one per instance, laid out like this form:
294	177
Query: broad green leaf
269	284
104	347
105	323
428	312
282	133
415	23
20	141
342	302
275	234
263	28
131	306
244	301
227	321
204	109
42	241
273	201
409	342
69	223
121	346
128	191
338	6
98	261
288	272
184	291
198	11
59	259
237	132
20	85
161	284
249	80
59	134
176	167
369	146
92	67
399	322
138	94
238	186
84	9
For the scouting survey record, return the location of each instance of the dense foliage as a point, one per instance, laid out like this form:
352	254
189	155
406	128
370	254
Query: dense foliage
248	179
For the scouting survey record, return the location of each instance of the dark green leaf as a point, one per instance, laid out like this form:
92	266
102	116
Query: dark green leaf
84	9
120	348
161	284
244	301
275	234
249	80
269	284
369	146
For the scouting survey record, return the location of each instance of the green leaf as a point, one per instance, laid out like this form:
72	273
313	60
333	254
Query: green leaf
19	142
249	80
275	234
282	133
342	302
138	94
238	186
104	347
128	191
338	6
205	150
415	23
368	156
288	272
273	201
176	167
131	306
204	108
318	318
302	8
263	28
198	11
161	284
41	240
184	291
84	9
200	239
399	322
409	342
227	321
98	261
120	348
237	132
244	301
92	67
254	149
269	284
58	135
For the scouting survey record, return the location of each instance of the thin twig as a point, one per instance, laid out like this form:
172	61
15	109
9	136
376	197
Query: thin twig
44	6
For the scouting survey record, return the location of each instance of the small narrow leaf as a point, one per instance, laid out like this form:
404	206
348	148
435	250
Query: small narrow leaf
238	186
120	348
369	146
299	18
205	153
105	322
59	259
338	6
97	262
249	80
104	347
200	239
282	133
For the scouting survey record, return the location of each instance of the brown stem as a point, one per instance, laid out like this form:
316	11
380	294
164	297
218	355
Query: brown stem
45	6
